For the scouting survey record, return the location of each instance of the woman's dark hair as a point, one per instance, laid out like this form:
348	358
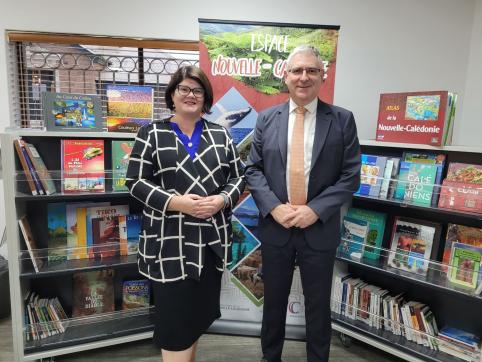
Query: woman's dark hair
194	73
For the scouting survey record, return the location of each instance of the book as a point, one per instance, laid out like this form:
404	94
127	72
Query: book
415	117
32	247
43	173
412	242
376	227
100	212
105	237
387	188
462	188
28	165
75	227
121	151
26	168
430	158
372	170
353	236
460	336
416	183
57	231
93	293
136	294
129	107
72	112
129	228
464	267
460	234
82	165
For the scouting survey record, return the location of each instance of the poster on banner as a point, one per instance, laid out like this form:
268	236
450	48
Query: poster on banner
245	63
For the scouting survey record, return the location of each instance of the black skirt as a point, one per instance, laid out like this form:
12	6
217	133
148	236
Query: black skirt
185	309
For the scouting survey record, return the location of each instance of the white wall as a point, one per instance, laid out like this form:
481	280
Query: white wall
384	45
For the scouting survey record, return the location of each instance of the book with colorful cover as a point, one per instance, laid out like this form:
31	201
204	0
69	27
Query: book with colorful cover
129	107
353	237
461	336
101	212
75	250
462	188
121	151
460	234
389	182
414	117
465	265
57	231
93	293
129	227
376	227
31	244
72	112
43	173
83	165
416	183
105	237
136	294
372	170
430	158
412	243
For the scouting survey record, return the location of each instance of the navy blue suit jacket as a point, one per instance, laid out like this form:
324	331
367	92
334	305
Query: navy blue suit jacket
334	176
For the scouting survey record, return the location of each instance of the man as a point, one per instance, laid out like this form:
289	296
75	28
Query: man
303	165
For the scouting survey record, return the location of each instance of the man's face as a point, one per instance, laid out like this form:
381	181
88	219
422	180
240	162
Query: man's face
303	86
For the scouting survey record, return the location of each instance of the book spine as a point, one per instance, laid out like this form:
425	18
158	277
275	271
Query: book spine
33	172
25	167
41	169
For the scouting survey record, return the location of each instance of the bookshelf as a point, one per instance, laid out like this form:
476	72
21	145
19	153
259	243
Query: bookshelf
451	304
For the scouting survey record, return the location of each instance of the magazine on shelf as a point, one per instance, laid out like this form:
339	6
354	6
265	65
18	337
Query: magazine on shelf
129	107
416	117
412	243
93	293
82	165
72	112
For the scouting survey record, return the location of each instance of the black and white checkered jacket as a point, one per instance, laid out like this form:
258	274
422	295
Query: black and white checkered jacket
172	244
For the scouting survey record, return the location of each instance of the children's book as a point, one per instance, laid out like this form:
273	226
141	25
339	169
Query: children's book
105	236
129	107
93	293
83	165
72	112
353	236
136	293
121	151
460	234
411	244
376	227
465	265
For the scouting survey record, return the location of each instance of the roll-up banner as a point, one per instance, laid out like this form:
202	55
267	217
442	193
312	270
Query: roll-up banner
245	62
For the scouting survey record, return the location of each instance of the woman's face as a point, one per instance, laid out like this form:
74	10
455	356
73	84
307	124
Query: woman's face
188	97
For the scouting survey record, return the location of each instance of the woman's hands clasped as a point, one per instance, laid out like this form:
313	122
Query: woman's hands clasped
197	206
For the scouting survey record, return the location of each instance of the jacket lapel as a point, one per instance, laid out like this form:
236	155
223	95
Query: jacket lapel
323	122
282	123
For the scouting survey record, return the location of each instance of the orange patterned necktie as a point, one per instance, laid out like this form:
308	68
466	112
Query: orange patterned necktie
297	159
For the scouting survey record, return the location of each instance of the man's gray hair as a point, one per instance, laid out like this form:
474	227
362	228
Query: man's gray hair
304	49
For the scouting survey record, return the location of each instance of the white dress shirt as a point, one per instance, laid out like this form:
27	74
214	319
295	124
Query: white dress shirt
309	137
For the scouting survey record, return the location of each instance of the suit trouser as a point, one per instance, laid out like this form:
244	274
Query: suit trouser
316	269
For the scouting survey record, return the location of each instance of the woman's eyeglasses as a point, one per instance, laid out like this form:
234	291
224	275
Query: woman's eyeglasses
184	90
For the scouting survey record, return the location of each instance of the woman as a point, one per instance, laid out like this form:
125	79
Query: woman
187	173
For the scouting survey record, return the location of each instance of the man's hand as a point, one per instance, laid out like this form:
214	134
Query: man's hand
303	216
283	214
